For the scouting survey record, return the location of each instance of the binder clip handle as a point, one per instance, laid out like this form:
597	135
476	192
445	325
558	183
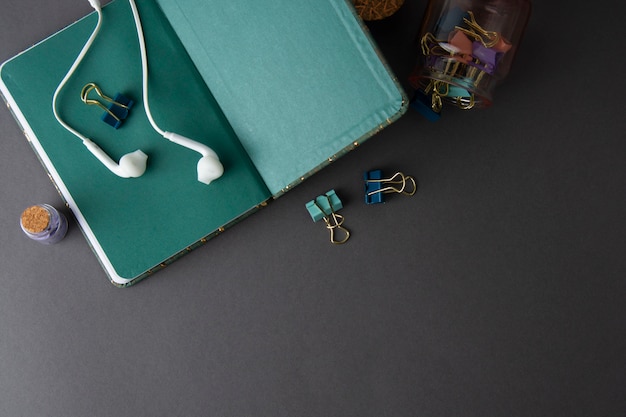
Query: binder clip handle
338	234
376	186
335	226
115	112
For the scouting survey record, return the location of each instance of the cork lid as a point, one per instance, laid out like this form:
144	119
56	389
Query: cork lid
35	219
376	9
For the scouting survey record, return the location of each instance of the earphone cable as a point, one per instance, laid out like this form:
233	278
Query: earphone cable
144	67
71	71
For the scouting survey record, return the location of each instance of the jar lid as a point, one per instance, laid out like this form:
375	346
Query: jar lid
376	9
35	219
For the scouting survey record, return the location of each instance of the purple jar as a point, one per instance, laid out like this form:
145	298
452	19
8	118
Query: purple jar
43	223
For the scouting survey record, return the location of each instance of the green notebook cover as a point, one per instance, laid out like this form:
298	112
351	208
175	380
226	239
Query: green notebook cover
277	88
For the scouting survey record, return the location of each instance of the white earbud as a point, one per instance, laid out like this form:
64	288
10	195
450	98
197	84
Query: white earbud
209	166
95	4
132	165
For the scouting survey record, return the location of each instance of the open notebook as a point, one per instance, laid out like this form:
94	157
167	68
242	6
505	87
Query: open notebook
278	88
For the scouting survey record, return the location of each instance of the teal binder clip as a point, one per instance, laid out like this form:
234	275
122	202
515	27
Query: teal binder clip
376	186
325	207
117	109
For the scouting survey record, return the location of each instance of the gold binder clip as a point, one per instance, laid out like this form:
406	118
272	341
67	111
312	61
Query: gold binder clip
117	109
488	38
376	186
466	103
325	207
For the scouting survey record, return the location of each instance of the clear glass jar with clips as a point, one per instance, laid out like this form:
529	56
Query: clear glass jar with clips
467	48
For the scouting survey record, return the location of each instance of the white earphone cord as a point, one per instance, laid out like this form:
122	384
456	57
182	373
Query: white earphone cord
144	67
71	71
201	148
81	56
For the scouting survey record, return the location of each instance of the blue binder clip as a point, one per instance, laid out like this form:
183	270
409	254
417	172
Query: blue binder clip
325	207
115	111
423	104
376	186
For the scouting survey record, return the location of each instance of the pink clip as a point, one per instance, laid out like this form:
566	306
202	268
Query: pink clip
462	46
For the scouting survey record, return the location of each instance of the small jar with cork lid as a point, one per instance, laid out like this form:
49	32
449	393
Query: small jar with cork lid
43	223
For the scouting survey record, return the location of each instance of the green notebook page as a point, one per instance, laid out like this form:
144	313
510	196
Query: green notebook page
298	80
133	224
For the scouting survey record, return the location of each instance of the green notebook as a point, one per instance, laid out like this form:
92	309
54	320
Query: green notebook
277	88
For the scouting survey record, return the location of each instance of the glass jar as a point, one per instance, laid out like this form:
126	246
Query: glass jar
467	47
43	223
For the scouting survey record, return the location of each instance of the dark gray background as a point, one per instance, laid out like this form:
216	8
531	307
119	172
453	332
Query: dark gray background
497	290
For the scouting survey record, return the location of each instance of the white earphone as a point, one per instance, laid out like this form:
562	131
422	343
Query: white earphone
133	164
209	166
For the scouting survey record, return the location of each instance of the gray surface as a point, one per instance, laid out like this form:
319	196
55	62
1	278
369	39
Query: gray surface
498	290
